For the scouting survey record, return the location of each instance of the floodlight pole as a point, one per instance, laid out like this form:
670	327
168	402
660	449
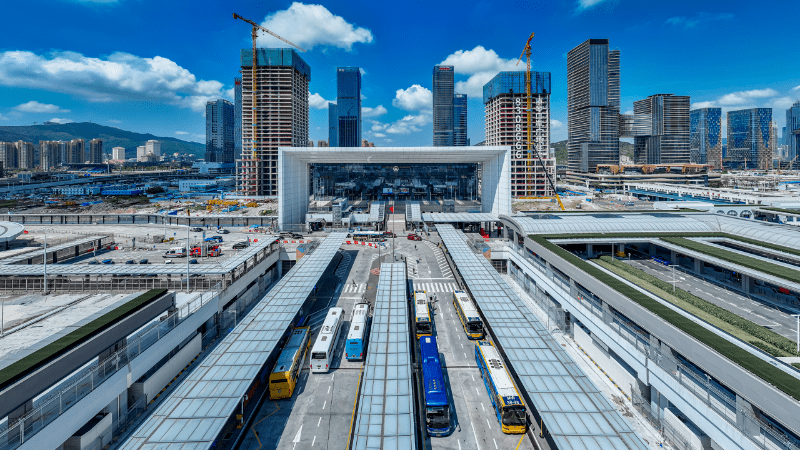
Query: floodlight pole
674	280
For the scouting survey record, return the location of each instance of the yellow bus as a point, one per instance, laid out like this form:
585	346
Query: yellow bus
468	313
423	325
507	402
283	377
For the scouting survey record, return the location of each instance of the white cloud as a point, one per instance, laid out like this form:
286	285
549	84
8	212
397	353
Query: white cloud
363	72
797	88
3	117
379	110
415	98
481	65
586	4
379	135
746	97
701	105
312	25
35	107
119	77
317	102
363	97
61	121
181	132
411	123
699	19
556	123
114	121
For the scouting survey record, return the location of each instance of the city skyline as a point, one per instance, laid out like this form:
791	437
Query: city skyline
167	82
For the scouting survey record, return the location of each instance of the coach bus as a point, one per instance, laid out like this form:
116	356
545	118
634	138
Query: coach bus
369	236
283	377
357	336
507	402
423	325
325	346
437	408
468	313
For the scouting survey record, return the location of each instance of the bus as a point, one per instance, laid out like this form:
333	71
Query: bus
423	326
325	346
283	377
357	336
507	402
468	313
369	236
437	408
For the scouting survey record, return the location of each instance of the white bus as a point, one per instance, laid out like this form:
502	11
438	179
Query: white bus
325	346
423	325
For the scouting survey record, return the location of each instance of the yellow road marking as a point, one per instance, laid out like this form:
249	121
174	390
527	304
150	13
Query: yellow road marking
252	427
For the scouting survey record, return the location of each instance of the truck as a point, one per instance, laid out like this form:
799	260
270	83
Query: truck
201	251
175	252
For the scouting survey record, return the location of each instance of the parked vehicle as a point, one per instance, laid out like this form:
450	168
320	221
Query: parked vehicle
192	261
130	261
93	262
108	261
240	245
414	237
175	252
223	231
217	238
144	261
196	229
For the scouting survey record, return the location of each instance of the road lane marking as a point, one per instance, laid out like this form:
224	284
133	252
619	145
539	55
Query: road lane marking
320	420
481	408
462	345
469	414
329	389
473	377
487	423
315	440
476	391
459	445
495	443
465	356
324	403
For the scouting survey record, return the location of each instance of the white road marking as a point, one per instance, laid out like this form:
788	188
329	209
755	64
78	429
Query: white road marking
495	443
320	420
487	423
315	440
324	403
459	445
462	345
473	377
476	391
481	408
329	389
465	356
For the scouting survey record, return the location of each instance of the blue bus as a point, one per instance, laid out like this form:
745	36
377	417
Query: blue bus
437	408
355	349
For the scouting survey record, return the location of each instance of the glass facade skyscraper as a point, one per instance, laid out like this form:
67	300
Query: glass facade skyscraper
593	101
705	136
750	138
333	125
443	91
237	118
219	131
661	129
791	134
460	138
348	106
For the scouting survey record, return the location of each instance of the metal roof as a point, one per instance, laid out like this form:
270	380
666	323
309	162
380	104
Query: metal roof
459	217
415	214
10	230
194	414
616	223
376	210
50	249
386	404
786	235
575	413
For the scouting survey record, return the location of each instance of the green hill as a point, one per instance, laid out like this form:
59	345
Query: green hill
111	136
625	148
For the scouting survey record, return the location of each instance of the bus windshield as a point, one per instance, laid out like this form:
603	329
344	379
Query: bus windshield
514	415
437	417
319	355
423	327
475	327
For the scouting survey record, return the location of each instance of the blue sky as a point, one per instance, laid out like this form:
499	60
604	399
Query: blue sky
150	65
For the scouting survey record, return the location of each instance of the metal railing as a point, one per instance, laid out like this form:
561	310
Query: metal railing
62	284
54	404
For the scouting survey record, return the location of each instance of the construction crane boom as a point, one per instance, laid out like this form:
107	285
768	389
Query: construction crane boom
259	27
526	51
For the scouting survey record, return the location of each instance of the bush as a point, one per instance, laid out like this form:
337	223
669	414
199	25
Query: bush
766	348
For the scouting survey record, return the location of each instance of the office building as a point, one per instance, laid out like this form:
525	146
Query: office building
8	155
95	153
118	153
322	143
141	153
76	152
791	134
333	125
504	99
154	147
593	99
49	154
660	129
278	119
460	138
25	155
219	131
237	118
348	106
705	137
750	138
443	85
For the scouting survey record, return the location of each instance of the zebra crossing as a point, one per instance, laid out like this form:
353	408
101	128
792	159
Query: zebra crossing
351	288
436	287
440	259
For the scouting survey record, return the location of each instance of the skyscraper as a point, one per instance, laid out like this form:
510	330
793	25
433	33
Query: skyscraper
49	154
25	155
237	118
219	131
460	138
593	98
443	85
791	134
506	124
118	153
154	147
95	153
348	106
278	119
750	138
8	155
705	137
661	129
76	152
333	125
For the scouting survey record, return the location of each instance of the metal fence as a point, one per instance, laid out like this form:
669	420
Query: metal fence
64	285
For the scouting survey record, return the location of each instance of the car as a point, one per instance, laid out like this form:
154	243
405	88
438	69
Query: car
297	236
169	261
196	229
240	245
192	261
223	231
217	238
93	262
414	237
108	261
144	261
130	261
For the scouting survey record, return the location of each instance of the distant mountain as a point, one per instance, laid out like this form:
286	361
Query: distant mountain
625	148
111	136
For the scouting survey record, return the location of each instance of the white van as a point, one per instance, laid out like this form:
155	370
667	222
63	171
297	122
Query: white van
175	252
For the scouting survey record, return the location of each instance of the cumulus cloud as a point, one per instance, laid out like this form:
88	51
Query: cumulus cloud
379	110
746	97
118	77
701	105
556	124
699	19
35	107
415	98
316	101
586	4
481	65
796	88
411	123
61	121
379	135
181	132
312	25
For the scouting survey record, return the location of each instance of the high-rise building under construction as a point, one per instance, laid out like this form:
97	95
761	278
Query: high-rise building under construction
278	119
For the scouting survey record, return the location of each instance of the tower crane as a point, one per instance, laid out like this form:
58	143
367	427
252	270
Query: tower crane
254	90
527	53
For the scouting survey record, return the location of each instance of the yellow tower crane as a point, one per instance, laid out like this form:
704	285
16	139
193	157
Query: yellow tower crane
254	90
527	53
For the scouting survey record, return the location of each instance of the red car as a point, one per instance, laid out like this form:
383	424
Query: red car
414	237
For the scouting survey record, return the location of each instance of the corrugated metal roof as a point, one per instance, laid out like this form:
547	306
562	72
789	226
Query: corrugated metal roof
195	412
50	249
622	223
459	217
574	411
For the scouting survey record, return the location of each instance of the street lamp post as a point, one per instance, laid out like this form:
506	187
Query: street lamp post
674	280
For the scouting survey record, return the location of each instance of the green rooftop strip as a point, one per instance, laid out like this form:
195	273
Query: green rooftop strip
752	363
783	210
53	350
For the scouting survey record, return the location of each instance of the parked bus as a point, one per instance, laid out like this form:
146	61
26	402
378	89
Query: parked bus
356	345
423	326
369	236
283	377
468	313
325	346
437	408
507	402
